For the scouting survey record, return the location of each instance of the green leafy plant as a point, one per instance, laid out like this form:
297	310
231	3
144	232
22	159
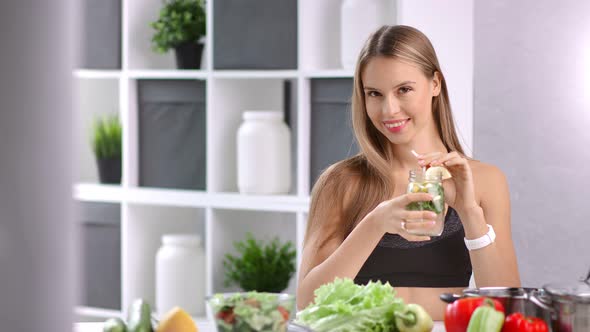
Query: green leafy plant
260	267
180	21
106	138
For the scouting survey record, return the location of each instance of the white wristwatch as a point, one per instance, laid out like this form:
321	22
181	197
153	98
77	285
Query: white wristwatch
483	241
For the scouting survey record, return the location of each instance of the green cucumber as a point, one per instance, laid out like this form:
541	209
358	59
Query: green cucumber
114	325
139	317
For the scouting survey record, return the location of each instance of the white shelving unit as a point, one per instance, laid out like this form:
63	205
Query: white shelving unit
220	214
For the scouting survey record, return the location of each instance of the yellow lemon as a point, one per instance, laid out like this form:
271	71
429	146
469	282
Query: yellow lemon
177	320
432	173
414	187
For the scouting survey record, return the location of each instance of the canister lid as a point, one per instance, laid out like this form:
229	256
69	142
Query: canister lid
262	115
186	240
574	291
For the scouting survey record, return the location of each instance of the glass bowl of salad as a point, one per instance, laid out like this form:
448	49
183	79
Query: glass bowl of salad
251	311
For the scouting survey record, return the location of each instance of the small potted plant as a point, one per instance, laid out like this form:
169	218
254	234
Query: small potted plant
181	26
106	144
260	267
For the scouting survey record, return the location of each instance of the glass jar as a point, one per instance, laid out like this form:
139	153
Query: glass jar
180	274
421	181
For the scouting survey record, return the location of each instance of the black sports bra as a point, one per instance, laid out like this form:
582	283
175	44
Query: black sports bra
442	261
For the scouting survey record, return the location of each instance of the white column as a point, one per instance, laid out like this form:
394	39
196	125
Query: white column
38	276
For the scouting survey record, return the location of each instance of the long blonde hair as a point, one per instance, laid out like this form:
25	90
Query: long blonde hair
367	177
408	44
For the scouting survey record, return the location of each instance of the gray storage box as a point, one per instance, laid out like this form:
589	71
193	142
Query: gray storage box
290	111
101	254
332	138
255	34
101	34
172	134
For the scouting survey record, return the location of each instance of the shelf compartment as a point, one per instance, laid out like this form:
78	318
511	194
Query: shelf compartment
99	225
93	98
172	134
139	36
231	97
142	230
101	41
230	226
268	42
320	31
332	137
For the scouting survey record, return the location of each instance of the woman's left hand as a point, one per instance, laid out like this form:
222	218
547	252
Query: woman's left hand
459	189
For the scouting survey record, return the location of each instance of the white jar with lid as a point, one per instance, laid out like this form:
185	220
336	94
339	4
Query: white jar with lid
180	274
264	153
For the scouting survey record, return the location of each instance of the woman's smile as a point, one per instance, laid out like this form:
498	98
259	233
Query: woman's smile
396	126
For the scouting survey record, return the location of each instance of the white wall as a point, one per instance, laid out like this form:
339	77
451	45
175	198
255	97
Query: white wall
449	26
532	114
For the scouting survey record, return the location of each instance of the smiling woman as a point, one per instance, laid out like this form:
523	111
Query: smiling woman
357	221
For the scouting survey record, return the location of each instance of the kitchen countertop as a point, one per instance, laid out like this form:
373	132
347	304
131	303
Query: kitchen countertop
204	326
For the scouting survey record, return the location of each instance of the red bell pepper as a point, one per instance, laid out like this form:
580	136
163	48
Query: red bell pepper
517	322
227	315
459	312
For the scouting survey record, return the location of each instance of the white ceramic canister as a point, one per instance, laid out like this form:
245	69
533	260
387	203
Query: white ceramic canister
264	153
358	19
180	274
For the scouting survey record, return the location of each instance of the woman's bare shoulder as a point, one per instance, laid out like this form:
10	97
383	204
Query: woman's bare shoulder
488	179
484	170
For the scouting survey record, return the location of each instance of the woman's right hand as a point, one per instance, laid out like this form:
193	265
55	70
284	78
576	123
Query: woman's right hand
391	216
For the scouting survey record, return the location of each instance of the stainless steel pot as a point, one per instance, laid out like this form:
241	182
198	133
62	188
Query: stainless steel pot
514	299
568	304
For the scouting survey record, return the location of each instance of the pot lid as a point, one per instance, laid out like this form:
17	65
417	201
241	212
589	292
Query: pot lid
573	291
497	291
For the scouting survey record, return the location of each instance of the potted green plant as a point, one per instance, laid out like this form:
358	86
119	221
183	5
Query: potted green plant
180	26
106	144
260	267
